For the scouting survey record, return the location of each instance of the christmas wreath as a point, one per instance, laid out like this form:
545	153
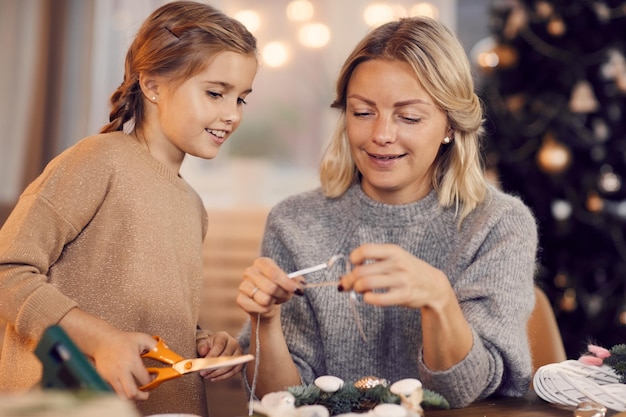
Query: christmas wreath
331	396
353	397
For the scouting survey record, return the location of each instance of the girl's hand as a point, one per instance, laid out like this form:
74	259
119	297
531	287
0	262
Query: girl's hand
117	358
219	344
388	275
265	286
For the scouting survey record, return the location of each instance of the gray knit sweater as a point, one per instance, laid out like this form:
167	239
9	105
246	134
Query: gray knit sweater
490	262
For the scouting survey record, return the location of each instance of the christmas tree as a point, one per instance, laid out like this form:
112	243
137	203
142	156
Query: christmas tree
553	80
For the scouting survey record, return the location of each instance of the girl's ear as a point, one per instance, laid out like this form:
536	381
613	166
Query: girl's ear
149	87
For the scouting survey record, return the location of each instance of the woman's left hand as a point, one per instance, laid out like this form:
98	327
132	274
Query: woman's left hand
219	344
388	275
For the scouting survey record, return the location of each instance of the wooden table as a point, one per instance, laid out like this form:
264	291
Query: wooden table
527	406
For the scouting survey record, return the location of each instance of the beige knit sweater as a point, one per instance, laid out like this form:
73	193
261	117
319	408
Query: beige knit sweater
107	228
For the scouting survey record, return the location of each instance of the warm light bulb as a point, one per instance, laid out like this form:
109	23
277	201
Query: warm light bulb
314	35
250	19
300	10
425	9
275	54
378	13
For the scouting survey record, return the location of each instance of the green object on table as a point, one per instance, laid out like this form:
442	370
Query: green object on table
64	366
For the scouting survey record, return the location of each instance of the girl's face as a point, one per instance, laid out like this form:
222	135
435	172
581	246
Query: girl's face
199	115
394	129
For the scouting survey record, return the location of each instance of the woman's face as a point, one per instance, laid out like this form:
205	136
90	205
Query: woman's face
394	129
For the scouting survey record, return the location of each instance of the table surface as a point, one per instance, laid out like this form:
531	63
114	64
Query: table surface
527	406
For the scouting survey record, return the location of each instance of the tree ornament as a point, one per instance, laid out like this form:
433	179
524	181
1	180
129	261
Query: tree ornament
594	203
553	157
507	55
544	9
556	27
569	301
561	209
489	55
583	100
609	182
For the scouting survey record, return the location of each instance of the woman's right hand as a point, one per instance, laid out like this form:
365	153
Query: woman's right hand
265	286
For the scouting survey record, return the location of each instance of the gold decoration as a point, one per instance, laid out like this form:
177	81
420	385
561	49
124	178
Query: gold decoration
556	27
583	100
553	157
568	301
368	382
507	55
488	55
594	203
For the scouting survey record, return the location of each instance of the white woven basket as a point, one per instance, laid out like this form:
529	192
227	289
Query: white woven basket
572	382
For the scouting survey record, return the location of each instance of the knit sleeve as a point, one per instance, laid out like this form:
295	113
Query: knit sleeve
494	286
46	217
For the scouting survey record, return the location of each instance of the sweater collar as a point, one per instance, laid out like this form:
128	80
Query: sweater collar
383	214
157	165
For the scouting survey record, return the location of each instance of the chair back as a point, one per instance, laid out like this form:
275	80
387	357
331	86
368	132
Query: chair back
546	345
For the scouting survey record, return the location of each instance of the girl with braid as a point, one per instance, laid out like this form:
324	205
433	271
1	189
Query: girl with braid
107	241
442	262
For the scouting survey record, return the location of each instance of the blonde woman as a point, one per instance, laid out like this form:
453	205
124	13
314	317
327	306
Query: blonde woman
442	262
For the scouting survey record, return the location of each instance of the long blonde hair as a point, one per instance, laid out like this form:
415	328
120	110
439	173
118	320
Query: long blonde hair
443	70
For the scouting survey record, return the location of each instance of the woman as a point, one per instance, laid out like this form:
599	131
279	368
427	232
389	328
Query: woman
442	262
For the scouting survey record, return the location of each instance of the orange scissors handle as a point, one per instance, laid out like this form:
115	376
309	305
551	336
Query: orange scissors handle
162	353
161	375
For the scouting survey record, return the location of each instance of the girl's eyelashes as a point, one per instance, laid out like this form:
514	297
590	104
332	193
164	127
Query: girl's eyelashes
216	95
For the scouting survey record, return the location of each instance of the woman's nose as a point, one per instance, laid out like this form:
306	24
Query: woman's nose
384	131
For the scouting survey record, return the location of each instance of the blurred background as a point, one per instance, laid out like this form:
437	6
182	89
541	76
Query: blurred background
551	73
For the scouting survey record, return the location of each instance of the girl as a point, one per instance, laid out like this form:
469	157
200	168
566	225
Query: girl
107	242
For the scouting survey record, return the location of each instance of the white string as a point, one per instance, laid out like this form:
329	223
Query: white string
256	365
352	301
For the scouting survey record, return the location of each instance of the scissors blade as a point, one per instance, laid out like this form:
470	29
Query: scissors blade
202	364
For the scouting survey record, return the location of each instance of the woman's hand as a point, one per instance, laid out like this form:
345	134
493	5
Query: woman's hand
219	344
388	275
265	286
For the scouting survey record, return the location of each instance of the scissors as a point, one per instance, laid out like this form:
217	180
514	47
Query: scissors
181	366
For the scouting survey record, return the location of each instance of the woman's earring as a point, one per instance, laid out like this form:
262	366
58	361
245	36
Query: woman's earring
446	140
153	98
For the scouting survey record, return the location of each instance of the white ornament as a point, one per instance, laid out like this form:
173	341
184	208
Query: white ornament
329	383
312	411
390	410
410	392
277	404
